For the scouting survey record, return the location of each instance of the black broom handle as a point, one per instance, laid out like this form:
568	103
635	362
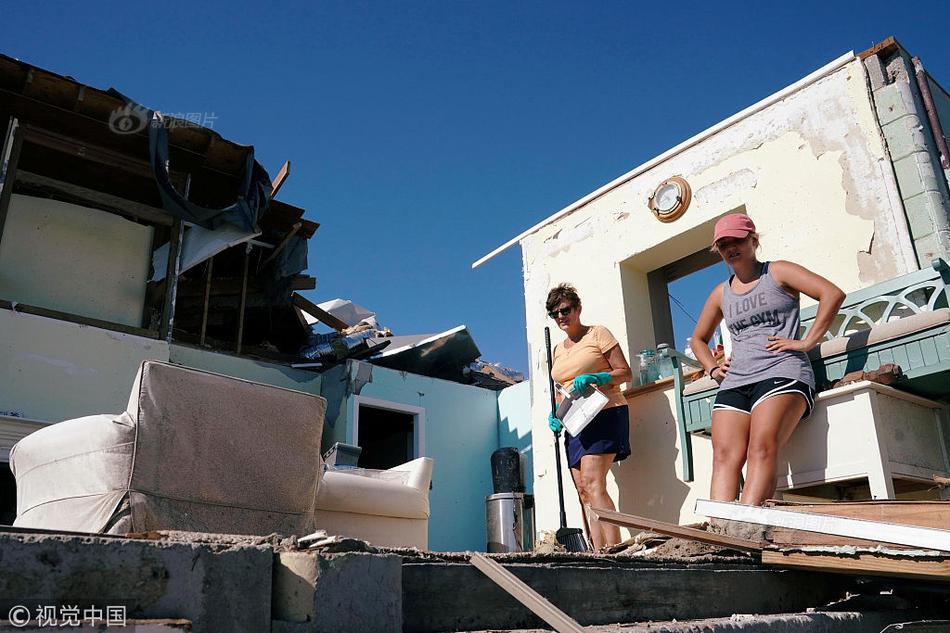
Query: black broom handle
557	436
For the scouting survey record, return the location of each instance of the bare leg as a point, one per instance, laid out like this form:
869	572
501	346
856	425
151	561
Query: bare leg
575	475
773	421
730	440
592	485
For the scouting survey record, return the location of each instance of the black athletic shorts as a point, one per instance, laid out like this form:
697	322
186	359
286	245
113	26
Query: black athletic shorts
747	397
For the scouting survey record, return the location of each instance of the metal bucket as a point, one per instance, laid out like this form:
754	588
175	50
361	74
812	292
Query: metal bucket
504	514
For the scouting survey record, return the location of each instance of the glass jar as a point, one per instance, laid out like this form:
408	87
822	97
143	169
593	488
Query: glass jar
664	363
648	369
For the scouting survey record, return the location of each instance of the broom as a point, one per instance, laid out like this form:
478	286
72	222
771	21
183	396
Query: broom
571	538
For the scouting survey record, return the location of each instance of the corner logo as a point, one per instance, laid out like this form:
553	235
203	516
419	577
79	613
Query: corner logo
129	119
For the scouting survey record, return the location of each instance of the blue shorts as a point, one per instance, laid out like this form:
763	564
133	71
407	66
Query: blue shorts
608	432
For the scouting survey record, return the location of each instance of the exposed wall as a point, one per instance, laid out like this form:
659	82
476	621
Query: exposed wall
53	370
461	431
74	259
922	184
810	169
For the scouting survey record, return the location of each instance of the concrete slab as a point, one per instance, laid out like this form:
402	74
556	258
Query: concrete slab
219	586
456	597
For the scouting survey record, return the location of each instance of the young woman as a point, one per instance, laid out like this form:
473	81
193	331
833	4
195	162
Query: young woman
767	385
591	355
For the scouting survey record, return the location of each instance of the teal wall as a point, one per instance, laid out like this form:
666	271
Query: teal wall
246	368
514	424
462	429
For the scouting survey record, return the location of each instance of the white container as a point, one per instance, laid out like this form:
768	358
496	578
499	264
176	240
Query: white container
577	410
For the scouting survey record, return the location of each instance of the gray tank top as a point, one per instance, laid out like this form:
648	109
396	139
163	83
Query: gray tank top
752	317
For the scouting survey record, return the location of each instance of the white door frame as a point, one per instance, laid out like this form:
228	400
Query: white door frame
418	421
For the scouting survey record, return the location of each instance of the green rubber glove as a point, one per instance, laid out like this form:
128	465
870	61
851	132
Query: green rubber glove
581	382
554	424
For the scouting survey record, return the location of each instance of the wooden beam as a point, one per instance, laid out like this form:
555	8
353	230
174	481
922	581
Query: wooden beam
240	332
87	151
224	286
881	532
104	201
538	604
204	312
9	156
75	318
930	514
679	531
320	314
171	280
283	243
279	180
872	563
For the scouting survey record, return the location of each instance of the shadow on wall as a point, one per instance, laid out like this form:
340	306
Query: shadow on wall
508	436
647	481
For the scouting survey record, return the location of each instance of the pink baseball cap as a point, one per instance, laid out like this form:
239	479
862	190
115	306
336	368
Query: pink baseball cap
737	225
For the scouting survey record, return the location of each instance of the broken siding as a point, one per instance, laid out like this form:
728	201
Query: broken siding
809	169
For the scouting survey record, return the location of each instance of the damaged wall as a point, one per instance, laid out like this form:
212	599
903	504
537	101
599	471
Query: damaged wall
461	432
913	151
74	259
810	169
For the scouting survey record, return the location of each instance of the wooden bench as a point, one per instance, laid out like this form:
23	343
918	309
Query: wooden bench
905	321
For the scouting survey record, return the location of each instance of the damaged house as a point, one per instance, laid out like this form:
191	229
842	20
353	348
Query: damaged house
129	236
845	172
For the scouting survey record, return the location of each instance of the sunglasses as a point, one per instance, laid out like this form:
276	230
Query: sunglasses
562	312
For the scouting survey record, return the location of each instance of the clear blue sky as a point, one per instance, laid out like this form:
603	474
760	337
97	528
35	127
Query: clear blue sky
423	135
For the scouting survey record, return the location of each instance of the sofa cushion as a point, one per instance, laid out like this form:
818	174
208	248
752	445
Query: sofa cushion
398	492
881	333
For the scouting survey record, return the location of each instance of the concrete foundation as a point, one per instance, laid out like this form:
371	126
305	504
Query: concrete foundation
597	593
212	583
218	586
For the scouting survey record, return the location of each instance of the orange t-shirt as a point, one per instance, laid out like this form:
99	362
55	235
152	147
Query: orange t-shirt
588	356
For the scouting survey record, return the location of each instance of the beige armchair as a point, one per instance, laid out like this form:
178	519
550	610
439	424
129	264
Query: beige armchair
192	451
389	508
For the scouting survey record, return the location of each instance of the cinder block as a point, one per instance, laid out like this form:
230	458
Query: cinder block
329	593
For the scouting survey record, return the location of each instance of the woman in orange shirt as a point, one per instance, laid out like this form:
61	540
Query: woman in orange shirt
591	355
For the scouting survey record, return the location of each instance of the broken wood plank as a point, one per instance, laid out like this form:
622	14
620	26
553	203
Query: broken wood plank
283	243
881	532
106	202
788	537
240	332
872	563
171	279
318	313
279	180
209	270
671	529
75	318
538	604
932	514
9	157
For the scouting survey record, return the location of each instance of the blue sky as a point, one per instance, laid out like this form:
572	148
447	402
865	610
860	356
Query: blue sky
424	135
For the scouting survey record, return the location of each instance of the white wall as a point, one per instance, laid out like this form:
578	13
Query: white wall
811	171
74	259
